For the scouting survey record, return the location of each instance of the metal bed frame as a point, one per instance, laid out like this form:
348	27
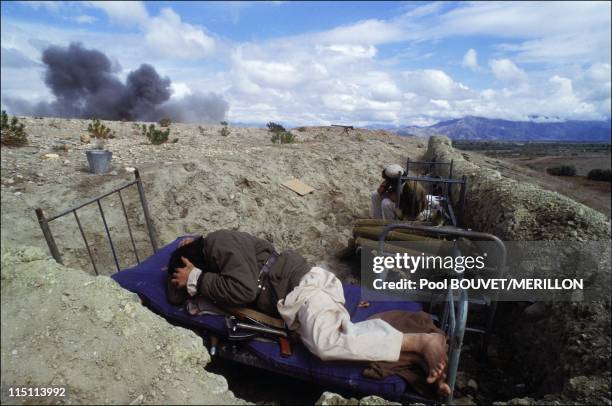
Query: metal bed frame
46	230
456	217
430	166
453	319
445	184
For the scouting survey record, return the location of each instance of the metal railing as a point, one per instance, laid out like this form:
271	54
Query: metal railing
430	166
454	315
46	230
445	184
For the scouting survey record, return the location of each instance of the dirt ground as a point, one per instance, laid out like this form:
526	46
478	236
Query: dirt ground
201	183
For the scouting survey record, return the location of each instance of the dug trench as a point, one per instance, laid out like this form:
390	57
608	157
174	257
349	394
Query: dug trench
206	182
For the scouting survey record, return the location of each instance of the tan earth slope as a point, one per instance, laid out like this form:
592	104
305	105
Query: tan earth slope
64	328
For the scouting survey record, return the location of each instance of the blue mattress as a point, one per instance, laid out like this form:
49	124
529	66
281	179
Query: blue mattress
149	282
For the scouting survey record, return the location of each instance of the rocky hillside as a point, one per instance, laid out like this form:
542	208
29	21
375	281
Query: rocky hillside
486	129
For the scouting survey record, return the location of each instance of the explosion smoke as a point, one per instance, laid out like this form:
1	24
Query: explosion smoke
85	86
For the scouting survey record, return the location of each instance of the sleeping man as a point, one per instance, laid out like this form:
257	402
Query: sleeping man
235	268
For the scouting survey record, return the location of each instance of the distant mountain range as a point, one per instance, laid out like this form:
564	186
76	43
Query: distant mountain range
486	129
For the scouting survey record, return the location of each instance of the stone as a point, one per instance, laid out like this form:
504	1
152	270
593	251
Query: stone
463	401
51	156
129	169
330	398
472	384
85	139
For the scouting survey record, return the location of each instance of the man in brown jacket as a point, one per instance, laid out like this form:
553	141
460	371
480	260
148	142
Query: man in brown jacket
242	270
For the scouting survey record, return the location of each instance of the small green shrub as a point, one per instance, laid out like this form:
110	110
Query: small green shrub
600	174
99	131
562	170
202	130
165	122
155	136
279	134
224	131
300	129
285	137
12	131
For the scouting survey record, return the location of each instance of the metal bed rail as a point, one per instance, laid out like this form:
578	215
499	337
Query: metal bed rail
430	166
454	316
44	221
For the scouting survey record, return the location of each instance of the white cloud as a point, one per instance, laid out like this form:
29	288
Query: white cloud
434	83
363	32
470	59
122	12
507	71
84	19
168	36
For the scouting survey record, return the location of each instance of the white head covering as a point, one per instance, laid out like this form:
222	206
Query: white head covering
393	171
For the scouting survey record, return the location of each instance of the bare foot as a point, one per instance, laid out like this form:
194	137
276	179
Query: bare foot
433	348
443	388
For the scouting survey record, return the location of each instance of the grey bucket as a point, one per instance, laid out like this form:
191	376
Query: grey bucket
99	160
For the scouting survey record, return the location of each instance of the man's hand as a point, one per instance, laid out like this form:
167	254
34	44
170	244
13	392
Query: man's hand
381	189
181	275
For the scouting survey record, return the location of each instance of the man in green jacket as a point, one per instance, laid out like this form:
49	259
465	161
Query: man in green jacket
239	269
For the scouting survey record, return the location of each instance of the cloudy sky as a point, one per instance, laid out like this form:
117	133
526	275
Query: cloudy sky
390	63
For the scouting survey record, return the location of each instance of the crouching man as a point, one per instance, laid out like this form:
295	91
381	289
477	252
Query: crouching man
384	198
236	268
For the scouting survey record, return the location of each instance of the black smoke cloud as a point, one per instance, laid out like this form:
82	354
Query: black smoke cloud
85	85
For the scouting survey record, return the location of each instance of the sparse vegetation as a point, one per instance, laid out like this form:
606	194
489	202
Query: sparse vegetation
279	134
99	131
600	174
201	130
13	132
174	141
562	170
224	131
300	129
155	135
165	122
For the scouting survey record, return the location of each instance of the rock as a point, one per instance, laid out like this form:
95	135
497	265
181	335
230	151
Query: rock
522	401
472	384
330	398
460	380
463	401
535	311
129	169
18	193
50	156
85	139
